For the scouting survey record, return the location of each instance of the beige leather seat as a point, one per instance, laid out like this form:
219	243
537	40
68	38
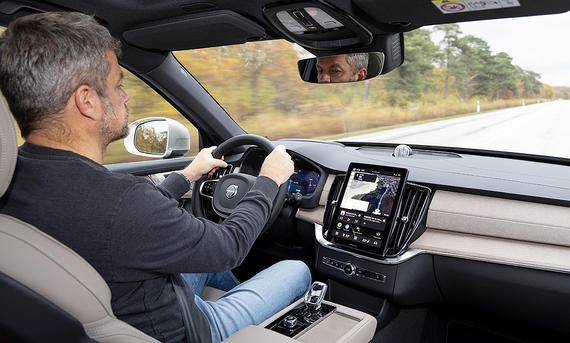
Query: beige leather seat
51	269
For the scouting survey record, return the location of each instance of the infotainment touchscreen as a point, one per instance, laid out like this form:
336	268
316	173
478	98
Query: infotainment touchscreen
368	201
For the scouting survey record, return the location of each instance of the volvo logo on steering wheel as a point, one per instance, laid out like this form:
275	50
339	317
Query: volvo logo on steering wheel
231	191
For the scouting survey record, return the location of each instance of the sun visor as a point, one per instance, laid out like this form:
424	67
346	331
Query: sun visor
417	13
201	30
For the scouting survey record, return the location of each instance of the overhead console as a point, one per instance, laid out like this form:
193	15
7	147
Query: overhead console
316	25
326	30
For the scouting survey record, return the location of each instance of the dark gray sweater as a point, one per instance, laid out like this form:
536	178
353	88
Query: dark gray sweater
132	232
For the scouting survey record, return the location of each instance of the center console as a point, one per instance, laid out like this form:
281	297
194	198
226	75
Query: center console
311	320
371	218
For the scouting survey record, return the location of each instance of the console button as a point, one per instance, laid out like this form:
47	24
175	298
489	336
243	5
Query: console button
290	321
349	269
379	277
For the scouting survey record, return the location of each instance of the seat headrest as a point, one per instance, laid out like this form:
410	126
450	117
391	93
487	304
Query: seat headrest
8	146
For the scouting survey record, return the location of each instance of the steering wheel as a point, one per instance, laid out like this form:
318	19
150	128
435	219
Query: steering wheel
225	193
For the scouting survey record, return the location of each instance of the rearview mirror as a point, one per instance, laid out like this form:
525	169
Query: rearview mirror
157	137
341	68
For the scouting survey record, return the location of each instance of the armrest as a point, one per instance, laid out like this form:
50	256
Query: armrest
257	334
346	325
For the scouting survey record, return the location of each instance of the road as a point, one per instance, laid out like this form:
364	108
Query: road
542	129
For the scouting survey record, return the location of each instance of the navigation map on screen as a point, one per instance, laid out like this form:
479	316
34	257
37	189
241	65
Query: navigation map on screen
370	193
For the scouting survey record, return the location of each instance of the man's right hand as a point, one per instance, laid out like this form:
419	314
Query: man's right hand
278	165
203	163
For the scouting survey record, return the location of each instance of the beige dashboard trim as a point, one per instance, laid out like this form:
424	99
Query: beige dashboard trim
316	215
483	228
326	190
496	250
313	215
497	217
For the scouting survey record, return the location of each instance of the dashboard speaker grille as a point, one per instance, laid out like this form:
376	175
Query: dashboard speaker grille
410	214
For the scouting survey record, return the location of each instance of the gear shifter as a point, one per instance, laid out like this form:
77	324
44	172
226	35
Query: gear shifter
315	295
305	315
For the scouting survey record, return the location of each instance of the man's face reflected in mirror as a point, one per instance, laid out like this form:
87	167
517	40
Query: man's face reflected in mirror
342	68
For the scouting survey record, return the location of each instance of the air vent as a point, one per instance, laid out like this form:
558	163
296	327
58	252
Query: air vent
333	199
414	204
222	171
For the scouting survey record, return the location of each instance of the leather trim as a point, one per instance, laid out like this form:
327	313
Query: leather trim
326	190
358	326
502	218
317	214
495	250
257	334
313	215
58	274
53	270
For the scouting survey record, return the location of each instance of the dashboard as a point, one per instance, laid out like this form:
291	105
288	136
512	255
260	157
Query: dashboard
485	224
482	225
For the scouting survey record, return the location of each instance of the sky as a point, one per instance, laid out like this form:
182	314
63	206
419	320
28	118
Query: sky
540	43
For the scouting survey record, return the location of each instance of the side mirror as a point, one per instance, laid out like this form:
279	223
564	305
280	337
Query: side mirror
157	137
341	68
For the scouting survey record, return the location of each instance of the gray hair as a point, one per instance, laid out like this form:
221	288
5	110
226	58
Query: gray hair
357	61
45	57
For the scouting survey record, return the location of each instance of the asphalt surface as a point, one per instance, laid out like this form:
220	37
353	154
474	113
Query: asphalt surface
542	129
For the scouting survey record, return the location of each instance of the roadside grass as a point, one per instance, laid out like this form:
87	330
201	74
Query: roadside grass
411	123
363	118
330	121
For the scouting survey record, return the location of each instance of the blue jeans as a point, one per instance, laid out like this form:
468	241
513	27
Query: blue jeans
252	301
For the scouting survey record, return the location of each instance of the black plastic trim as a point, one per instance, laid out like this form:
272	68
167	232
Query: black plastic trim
150	167
523	294
29	317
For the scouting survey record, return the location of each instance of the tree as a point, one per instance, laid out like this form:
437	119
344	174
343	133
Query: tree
413	78
530	83
471	66
503	76
451	34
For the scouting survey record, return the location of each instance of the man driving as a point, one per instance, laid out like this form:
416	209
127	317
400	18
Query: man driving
60	76
342	68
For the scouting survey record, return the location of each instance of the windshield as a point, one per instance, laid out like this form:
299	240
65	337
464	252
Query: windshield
496	85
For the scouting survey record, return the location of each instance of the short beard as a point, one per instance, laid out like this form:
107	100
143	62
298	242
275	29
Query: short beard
109	136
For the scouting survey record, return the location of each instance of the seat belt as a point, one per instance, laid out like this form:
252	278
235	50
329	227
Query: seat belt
178	283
